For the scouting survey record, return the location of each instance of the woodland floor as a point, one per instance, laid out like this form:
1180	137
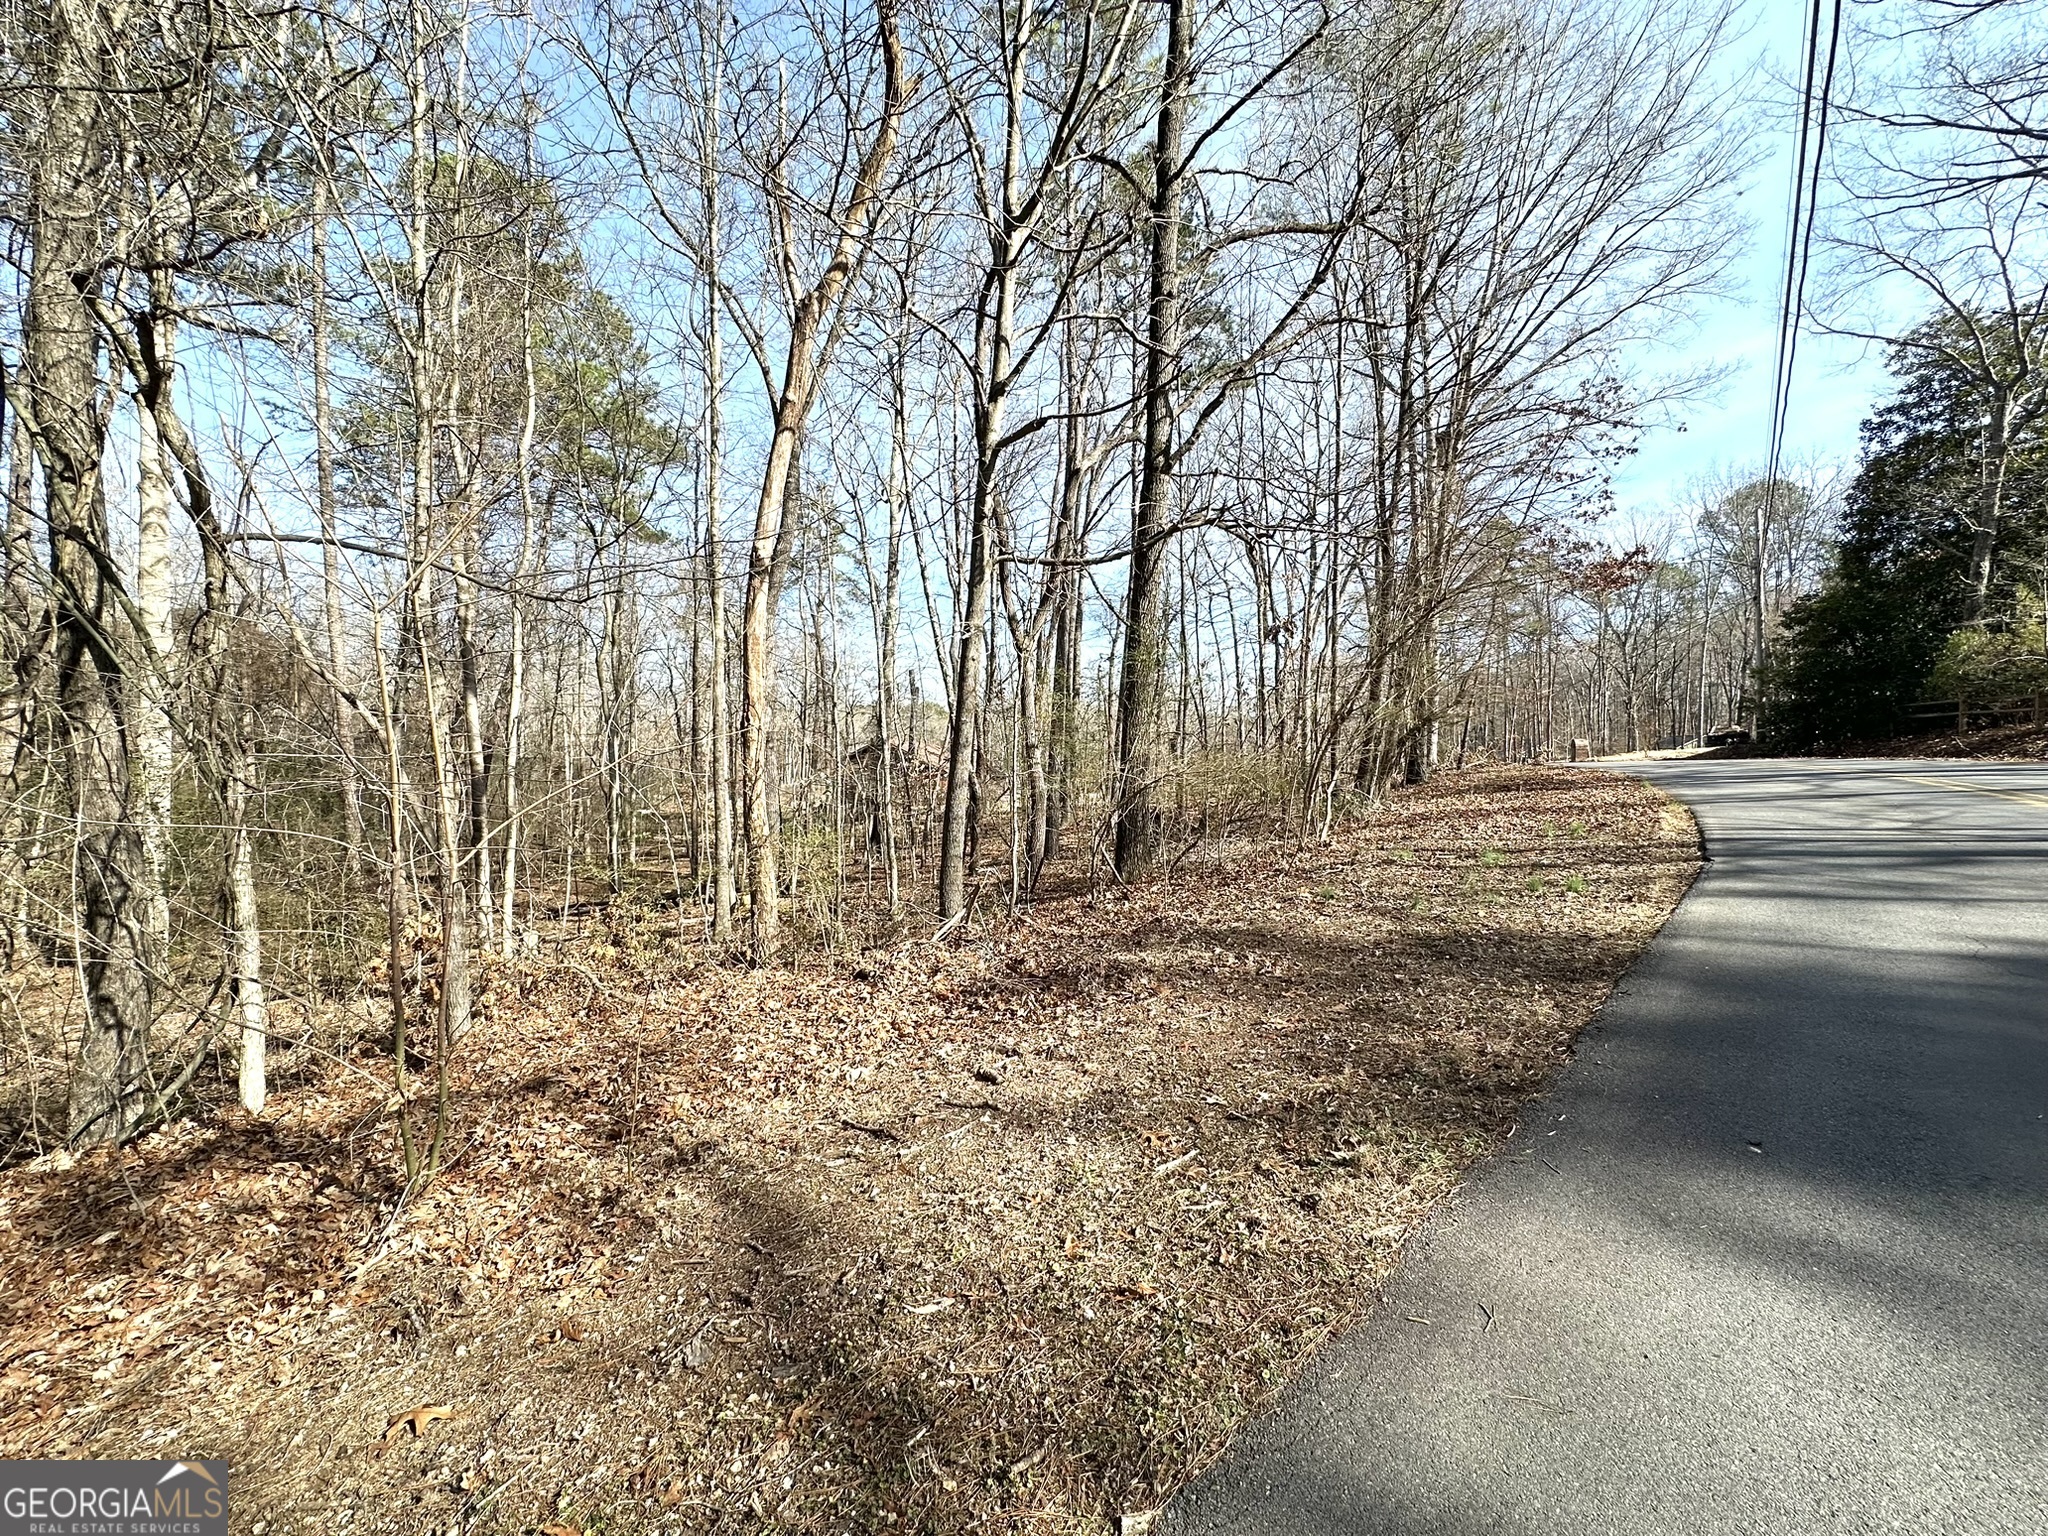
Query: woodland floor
2022	742
1005	1234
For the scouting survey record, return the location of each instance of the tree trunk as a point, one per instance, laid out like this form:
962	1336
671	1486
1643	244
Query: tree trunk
155	762
1028	736
330	552
1140	685
723	893
1064	735
93	639
757	690
810	319
897	495
476	842
969	665
25	636
1989	510
245	933
516	659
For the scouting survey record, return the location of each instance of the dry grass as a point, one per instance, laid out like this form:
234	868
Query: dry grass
1000	1236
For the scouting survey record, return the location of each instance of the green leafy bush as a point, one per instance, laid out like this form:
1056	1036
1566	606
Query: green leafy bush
1984	666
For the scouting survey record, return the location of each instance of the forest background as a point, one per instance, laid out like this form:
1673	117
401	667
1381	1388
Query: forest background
803	468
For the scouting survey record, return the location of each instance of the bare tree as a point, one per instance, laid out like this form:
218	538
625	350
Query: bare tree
1027	114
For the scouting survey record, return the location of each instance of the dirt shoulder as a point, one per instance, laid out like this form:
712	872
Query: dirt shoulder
1007	1235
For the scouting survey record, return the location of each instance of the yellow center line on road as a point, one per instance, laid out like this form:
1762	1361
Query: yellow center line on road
1977	789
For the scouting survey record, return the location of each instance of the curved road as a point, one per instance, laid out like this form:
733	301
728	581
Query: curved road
1773	1257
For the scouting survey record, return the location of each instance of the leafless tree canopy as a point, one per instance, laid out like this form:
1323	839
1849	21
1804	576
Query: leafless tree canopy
808	470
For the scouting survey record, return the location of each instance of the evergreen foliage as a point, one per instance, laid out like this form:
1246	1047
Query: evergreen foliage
1888	625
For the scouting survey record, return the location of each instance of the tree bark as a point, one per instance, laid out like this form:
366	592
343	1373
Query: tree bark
93	638
1989	509
25	636
516	641
1140	686
350	776
155	761
245	932
897	494
724	895
810	320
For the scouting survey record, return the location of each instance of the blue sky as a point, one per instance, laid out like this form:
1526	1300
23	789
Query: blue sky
1837	381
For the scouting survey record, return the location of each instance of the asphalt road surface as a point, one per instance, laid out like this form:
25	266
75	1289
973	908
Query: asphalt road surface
1773	1258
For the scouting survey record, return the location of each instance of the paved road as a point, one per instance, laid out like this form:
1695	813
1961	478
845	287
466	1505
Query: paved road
1773	1259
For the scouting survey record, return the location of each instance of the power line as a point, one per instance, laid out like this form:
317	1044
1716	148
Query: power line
1807	174
1809	156
1809	59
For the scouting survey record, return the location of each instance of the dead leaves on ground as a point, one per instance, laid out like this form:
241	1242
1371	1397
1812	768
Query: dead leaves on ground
856	1242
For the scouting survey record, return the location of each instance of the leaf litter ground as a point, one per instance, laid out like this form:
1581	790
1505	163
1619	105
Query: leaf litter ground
1002	1235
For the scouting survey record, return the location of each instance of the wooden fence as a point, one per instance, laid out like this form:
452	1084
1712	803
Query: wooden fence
1966	714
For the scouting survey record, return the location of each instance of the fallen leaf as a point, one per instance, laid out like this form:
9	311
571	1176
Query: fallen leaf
930	1307
419	1418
